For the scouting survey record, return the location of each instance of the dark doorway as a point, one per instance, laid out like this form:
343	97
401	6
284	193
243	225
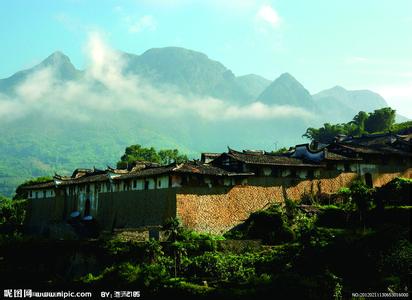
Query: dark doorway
368	180
87	208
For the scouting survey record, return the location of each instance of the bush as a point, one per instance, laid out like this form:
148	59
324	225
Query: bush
12	215
270	225
396	192
332	216
224	267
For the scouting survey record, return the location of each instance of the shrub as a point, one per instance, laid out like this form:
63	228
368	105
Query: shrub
270	225
224	267
332	216
12	215
396	192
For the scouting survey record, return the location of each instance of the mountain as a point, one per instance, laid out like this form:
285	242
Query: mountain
58	62
345	104
286	90
191	72
253	85
81	122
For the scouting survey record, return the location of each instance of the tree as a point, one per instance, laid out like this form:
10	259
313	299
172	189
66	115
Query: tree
359	120
325	134
380	120
12	215
168	156
280	150
362	197
135	153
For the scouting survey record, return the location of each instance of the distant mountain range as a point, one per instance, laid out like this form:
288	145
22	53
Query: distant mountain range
49	137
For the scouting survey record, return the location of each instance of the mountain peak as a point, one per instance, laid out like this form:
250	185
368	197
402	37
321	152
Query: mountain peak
61	65
177	54
56	58
346	103
286	90
287	76
339	88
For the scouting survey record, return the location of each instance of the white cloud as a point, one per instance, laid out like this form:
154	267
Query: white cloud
147	22
267	14
106	89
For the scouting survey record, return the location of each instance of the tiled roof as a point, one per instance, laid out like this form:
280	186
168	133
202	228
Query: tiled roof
334	157
204	169
187	167
85	179
379	150
268	159
40	185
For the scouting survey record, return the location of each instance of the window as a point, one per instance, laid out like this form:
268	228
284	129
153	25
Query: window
44	194
311	174
146	185
37	194
134	184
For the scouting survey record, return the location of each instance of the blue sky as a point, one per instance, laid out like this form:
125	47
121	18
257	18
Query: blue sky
356	44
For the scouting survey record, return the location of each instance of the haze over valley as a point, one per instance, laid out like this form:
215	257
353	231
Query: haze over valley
55	117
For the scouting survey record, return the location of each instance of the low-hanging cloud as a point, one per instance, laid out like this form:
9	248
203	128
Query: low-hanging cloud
104	87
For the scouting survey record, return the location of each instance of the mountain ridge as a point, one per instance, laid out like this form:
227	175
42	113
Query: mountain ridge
45	140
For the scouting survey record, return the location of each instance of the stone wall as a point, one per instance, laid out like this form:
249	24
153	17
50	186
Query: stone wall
380	179
203	209
219	209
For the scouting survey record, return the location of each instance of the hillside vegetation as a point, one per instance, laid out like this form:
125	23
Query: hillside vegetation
357	240
59	118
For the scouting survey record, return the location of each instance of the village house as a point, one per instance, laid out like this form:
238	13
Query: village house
219	191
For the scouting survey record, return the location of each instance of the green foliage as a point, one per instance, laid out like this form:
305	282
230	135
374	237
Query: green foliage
400	127
277	225
136	153
179	287
359	120
224	267
325	134
396	192
280	150
270	225
174	229
397	262
381	120
361	196
12	215
332	216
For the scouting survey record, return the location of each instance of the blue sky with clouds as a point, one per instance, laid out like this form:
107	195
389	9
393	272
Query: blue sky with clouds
356	44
